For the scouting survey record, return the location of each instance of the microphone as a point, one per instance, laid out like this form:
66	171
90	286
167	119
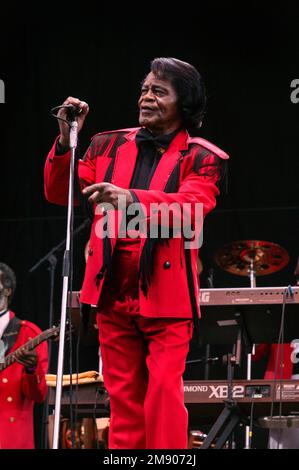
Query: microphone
71	111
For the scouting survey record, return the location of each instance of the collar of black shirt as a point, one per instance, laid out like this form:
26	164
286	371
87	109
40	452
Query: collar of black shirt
161	142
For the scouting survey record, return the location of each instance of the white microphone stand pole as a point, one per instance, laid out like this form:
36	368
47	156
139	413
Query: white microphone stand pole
67	263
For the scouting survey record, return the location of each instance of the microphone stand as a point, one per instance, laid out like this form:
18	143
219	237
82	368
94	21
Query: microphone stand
51	258
67	272
252	277
210	281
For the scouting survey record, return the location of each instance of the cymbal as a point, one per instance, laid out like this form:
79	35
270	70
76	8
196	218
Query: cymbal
242	255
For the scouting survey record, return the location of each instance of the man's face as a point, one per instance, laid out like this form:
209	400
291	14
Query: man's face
158	106
4	294
2	297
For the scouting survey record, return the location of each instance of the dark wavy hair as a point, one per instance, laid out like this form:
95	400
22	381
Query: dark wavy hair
8	279
189	87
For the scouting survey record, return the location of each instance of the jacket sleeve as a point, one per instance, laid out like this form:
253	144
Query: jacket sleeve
57	171
197	189
34	385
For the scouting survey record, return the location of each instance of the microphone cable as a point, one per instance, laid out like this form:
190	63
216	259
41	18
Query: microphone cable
73	112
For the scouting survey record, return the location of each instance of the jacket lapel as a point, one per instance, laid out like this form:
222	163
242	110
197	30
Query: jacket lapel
126	156
11	332
168	161
125	162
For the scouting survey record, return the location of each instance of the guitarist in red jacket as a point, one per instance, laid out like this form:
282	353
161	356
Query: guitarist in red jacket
23	382
146	288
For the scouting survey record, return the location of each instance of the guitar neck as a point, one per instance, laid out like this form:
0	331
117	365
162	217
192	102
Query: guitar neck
30	345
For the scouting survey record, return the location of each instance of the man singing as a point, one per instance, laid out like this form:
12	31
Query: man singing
145	287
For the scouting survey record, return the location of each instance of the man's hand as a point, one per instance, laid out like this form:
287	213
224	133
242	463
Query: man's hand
64	128
107	193
27	358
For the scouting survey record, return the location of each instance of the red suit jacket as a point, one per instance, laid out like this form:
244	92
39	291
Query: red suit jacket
173	291
271	351
18	393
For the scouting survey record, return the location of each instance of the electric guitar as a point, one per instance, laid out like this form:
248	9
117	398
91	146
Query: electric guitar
29	346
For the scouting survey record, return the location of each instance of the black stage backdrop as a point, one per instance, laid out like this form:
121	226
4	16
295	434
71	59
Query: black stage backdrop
248	60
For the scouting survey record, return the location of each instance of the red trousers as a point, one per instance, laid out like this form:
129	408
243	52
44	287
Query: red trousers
143	363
